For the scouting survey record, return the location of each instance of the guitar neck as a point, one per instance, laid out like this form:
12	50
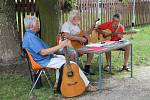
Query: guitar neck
122	33
91	29
67	56
114	33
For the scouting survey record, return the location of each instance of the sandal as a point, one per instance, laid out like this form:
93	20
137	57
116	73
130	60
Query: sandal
91	88
125	67
106	68
94	83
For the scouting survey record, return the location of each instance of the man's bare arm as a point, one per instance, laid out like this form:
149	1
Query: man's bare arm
52	50
74	37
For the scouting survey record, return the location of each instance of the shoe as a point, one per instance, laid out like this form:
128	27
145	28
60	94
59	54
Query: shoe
106	68
125	68
94	83
87	70
91	88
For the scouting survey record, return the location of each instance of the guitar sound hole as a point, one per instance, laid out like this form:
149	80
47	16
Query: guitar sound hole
70	84
70	74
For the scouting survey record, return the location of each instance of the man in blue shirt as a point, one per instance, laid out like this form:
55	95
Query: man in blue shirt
44	55
37	47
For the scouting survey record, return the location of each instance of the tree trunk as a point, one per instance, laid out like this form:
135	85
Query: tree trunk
48	11
9	46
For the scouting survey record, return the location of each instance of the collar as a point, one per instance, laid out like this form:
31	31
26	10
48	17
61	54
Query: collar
28	30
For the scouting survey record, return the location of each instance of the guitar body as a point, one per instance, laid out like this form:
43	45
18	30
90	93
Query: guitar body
72	86
93	38
105	35
99	37
76	44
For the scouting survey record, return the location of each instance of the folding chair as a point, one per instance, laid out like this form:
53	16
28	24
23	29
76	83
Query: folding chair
39	70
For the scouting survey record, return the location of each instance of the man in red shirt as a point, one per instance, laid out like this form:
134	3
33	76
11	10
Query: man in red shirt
115	26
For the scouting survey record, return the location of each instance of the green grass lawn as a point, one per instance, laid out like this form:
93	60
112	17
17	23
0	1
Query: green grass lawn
17	87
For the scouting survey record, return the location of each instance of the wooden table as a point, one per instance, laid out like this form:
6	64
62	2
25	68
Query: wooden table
106	47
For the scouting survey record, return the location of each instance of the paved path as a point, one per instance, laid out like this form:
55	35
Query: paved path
137	88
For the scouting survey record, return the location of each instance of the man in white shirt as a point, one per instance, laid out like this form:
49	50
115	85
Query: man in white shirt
71	27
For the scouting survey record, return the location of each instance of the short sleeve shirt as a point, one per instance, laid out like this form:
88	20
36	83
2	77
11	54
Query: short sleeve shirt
108	25
68	27
34	44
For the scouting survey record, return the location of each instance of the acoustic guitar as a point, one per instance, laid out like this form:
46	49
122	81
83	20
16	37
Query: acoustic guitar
105	35
77	44
72	84
74	43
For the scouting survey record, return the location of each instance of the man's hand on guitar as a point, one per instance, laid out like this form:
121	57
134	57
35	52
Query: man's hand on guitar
63	43
82	40
74	37
67	36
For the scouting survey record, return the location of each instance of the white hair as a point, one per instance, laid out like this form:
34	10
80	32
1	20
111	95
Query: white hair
73	13
29	20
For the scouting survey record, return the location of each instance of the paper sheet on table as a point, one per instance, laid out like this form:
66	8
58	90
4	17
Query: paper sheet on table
96	48
95	45
99	44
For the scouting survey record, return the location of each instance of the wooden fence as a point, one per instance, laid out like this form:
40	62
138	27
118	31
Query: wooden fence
23	8
87	8
142	11
90	10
